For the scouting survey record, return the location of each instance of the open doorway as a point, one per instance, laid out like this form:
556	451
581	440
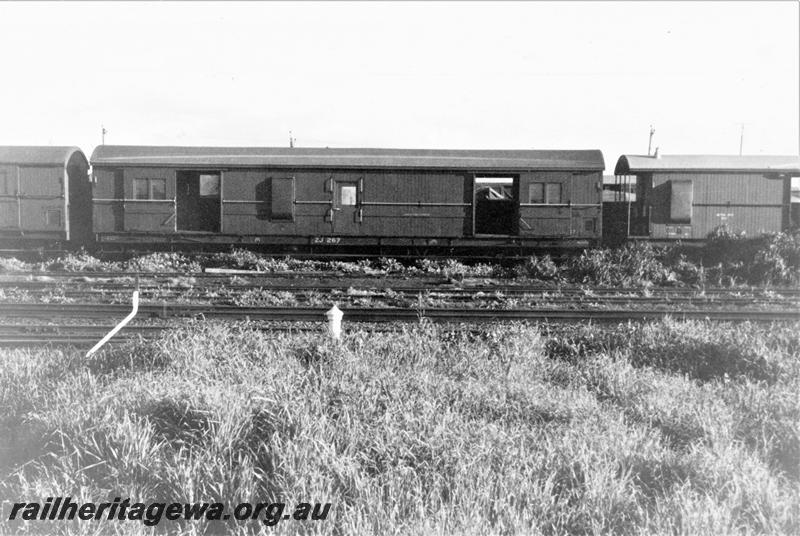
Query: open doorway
198	200
496	205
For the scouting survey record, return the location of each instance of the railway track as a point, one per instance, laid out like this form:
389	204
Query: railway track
385	314
436	285
409	300
340	280
318	294
85	284
398	298
21	324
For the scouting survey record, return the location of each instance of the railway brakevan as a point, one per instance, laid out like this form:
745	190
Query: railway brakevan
686	197
386	200
45	196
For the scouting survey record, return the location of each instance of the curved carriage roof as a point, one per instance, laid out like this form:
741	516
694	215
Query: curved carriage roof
199	157
42	155
632	164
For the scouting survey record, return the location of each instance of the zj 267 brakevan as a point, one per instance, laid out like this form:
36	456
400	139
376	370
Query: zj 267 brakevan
386	200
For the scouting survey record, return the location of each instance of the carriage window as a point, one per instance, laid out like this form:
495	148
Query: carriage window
540	193
553	193
209	185
5	186
158	189
536	193
149	188
347	197
53	218
140	189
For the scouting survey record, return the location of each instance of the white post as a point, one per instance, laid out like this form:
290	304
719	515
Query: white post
334	317
121	325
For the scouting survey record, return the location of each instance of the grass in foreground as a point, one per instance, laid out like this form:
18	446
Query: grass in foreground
667	428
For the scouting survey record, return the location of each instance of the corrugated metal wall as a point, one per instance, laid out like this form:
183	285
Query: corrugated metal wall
42	181
30	192
247	198
103	206
147	215
9	218
434	204
744	202
116	210
399	203
578	214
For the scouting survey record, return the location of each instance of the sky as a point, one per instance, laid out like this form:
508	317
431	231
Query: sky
518	75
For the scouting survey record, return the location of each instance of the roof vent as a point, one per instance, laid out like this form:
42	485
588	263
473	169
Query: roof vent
656	154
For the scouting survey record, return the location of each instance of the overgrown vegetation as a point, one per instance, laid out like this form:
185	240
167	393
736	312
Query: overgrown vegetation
629	265
674	427
727	259
772	259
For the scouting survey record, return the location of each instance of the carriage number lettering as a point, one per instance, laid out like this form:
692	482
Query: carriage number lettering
330	240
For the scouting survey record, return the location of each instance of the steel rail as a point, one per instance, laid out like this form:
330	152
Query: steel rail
212	295
433	285
390	314
338	275
439	286
88	289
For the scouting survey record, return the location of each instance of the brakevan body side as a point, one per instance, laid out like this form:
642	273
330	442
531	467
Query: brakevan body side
348	199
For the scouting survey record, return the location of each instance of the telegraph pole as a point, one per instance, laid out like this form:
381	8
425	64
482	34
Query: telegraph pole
291	140
103	133
650	143
741	140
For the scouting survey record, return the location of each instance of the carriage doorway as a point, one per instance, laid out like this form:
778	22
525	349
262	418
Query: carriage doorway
496	205
197	195
346	207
